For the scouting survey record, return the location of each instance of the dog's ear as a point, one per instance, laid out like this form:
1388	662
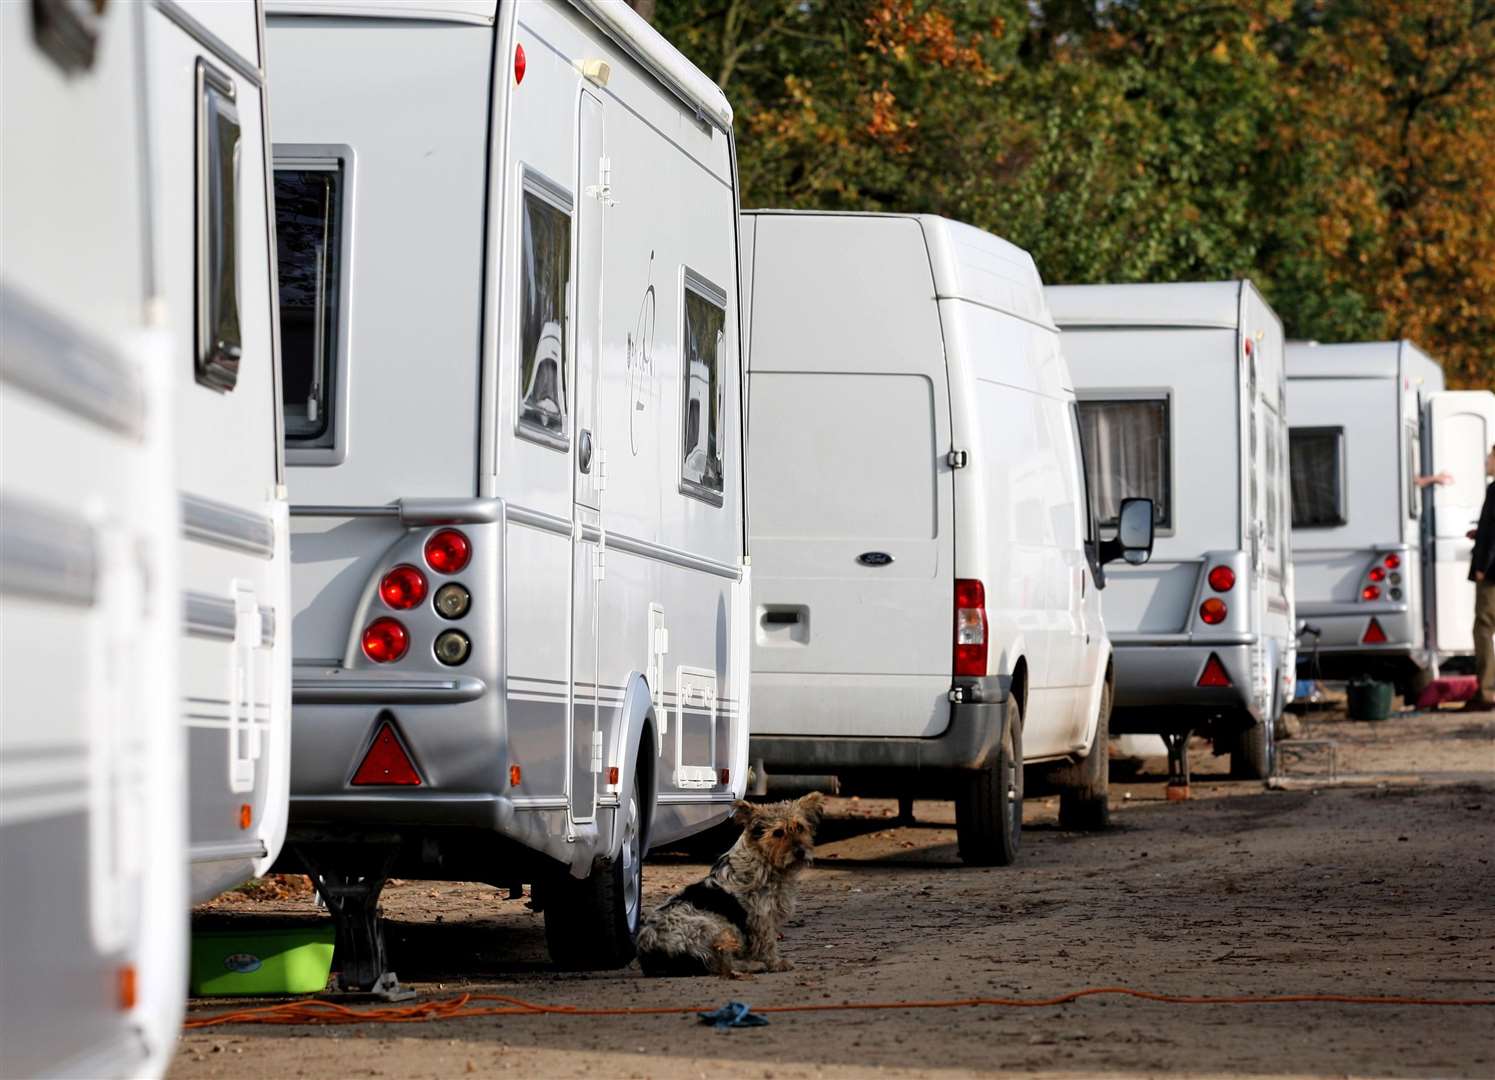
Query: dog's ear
812	806
743	813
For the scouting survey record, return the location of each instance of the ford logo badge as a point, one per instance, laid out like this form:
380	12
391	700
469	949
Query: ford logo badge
874	558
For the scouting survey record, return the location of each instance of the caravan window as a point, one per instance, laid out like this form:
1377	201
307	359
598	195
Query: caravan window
1128	447
544	286
309	228
1316	472
704	335
220	341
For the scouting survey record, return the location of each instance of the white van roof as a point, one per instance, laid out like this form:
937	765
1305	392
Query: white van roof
1355	359
1187	303
646	44
967	263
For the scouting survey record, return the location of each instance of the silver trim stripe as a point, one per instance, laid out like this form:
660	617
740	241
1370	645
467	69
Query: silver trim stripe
213	617
46	555
232	849
43	355
227	526
345	690
221	49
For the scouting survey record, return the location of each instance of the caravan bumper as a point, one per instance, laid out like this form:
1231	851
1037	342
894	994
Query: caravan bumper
1153	679
1344	626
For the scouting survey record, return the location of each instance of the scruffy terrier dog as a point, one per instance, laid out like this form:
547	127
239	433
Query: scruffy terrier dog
728	922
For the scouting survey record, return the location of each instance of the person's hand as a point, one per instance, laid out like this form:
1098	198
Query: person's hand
1443	478
1479	575
1472	534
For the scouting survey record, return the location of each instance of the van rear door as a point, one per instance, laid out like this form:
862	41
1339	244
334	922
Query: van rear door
851	502
1462	424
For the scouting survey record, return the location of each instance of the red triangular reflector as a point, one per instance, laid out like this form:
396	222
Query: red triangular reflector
1214	673
1374	635
386	762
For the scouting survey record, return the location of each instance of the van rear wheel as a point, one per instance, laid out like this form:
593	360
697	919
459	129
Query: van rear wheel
592	924
1085	787
989	807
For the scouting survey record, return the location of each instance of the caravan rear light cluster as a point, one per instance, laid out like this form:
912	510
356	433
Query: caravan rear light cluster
403	588
970	627
1222	579
385	640
1213	611
1383	577
448	551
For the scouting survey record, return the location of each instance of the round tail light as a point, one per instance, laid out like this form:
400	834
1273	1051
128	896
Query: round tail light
403	588
1392	561
1371	592
452	647
1222	579
1213	611
385	641
1377	573
448	551
452	600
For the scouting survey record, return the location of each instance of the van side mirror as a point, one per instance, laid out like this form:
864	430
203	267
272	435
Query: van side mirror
1133	540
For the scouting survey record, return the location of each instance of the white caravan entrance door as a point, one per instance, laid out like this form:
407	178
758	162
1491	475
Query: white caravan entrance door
587	544
1462	424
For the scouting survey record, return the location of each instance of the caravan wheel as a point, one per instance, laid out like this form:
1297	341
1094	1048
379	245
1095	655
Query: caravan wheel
989	809
591	925
1254	755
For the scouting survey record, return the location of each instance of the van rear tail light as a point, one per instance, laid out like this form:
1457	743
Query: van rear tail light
1222	579
386	762
1213	611
1392	561
403	588
970	627
1371	592
1374	635
1214	673
448	551
385	641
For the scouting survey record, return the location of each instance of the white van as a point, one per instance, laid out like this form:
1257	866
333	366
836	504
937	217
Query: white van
93	882
513	386
1182	399
927	570
1382	564
213	234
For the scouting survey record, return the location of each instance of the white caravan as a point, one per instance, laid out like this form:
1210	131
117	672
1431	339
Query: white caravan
1382	565
926	565
512	384
93	882
1182	399
213	234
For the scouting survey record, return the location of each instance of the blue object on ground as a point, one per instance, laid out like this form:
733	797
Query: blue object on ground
733	1014
1304	690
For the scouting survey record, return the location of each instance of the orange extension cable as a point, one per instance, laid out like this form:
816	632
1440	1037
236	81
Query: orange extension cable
328	1012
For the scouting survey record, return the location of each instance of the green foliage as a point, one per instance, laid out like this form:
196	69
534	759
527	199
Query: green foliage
1339	152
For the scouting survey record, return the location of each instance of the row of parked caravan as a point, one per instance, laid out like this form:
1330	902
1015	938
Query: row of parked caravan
463	417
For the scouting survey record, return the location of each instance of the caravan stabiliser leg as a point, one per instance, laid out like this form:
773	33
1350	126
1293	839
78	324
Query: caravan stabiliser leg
352	898
1178	764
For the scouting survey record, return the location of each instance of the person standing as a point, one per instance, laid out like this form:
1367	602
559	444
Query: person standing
1482	573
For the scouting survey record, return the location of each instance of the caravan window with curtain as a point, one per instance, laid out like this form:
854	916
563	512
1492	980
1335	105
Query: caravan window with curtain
1128	447
1316	471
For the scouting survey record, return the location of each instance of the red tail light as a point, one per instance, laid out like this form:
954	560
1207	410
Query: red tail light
1392	561
1214	673
385	641
1371	592
403	588
970	627
1213	611
519	64
447	552
1374	635
1377	573
387	762
1222	579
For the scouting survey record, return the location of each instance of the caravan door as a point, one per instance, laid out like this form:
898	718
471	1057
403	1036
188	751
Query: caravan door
1462	426
587	529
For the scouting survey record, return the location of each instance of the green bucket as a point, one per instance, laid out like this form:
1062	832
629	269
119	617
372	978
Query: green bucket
283	960
1367	699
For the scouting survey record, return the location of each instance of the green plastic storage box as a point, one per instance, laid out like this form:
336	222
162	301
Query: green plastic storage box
284	960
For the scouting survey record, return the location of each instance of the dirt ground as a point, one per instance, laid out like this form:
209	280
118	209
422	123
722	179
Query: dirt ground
1379	884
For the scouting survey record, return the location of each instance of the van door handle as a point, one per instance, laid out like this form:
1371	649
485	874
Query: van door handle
584	451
